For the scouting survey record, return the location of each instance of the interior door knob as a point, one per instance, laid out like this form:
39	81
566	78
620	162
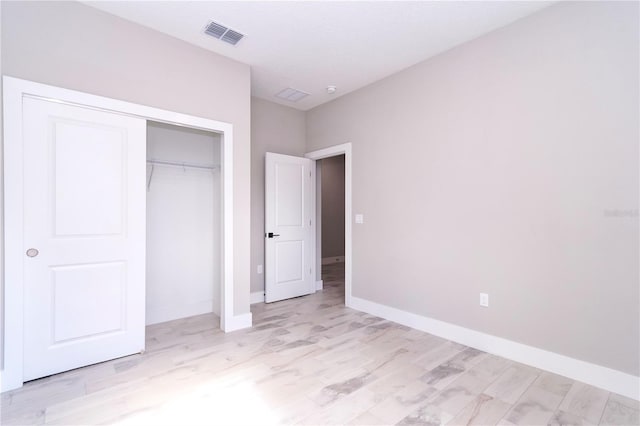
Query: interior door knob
32	252
271	235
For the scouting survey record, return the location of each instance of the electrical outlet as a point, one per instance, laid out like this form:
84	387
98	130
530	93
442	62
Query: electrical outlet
259	269
359	218
484	300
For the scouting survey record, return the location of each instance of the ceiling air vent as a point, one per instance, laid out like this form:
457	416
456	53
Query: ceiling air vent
223	33
291	95
232	37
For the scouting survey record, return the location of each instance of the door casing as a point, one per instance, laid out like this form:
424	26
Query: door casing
14	90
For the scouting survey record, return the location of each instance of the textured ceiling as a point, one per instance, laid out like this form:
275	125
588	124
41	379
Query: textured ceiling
310	45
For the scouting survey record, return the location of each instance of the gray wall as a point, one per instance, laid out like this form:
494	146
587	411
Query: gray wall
333	206
71	45
508	165
274	128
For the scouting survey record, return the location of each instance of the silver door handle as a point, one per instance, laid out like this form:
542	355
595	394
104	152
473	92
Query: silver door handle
32	252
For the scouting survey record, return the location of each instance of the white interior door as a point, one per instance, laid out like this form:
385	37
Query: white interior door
84	231
289	184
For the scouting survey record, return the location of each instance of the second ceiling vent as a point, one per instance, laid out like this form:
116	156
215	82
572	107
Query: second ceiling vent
223	33
292	95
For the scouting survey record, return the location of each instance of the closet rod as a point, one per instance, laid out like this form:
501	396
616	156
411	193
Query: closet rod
183	164
154	163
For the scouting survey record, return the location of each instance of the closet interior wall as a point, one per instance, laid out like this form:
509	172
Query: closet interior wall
184	223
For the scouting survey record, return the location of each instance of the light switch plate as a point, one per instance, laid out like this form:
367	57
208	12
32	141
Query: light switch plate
259	269
484	300
359	218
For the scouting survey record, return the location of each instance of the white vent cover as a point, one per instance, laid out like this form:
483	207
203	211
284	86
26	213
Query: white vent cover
232	37
223	33
291	95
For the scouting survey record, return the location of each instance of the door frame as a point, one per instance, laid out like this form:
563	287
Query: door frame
14	90
333	151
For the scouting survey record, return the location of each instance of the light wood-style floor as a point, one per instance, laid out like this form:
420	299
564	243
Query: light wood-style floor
310	361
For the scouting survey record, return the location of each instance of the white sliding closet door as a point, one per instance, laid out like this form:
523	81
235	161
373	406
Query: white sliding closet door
84	231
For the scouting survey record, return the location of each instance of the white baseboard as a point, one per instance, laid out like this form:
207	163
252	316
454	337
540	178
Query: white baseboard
238	322
256	297
155	315
595	375
333	259
319	285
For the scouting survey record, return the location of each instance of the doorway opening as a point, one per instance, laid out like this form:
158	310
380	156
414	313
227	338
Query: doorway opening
330	222
293	223
344	165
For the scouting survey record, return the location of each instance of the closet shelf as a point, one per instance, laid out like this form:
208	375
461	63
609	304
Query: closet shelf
182	165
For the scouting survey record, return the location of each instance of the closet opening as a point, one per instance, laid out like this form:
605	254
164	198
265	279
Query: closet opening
184	223
96	217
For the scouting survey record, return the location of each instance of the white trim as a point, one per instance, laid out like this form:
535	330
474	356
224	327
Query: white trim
595	375
256	297
226	310
319	285
333	259
14	90
170	313
332	151
315	219
13	225
317	254
239	322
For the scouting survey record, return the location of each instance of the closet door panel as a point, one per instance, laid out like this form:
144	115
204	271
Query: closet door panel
87	172
84	263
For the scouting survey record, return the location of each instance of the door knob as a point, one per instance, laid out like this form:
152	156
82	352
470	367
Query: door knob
32	252
271	235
